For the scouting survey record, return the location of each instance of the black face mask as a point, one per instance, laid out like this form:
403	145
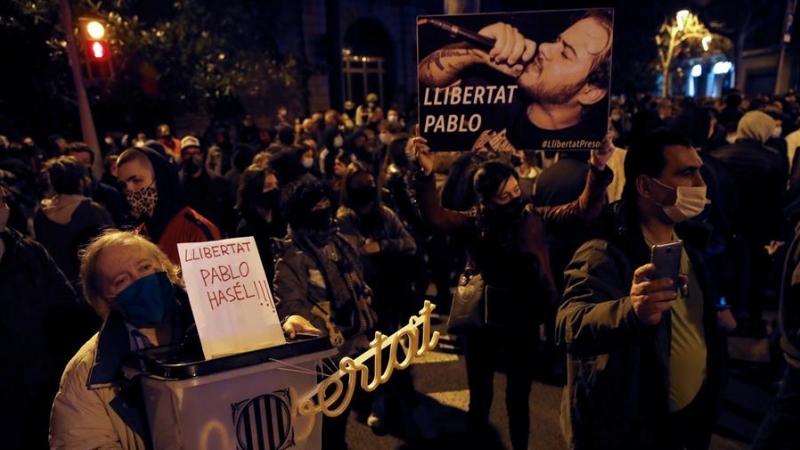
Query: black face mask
269	199
319	220
362	196
511	210
191	167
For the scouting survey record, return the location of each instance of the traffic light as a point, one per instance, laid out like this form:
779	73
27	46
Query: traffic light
96	49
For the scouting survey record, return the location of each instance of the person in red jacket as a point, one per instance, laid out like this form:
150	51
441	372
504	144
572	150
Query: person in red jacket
154	193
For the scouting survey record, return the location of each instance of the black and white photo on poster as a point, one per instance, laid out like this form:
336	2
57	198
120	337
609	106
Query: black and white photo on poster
515	81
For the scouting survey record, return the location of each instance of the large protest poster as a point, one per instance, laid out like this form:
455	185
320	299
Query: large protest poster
230	297
515	81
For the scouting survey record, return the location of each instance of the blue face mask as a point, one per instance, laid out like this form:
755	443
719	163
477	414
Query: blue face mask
147	301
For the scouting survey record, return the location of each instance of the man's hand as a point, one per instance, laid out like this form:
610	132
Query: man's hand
651	298
510	54
511	51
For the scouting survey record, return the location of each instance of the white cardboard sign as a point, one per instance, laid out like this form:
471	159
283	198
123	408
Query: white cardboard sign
230	297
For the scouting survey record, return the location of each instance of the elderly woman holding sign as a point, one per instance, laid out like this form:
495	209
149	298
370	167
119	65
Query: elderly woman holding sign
135	288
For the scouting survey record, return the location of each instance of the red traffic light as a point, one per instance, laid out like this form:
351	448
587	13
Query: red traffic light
95	39
98	50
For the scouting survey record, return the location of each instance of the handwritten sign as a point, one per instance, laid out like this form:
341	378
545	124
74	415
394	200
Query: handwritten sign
230	297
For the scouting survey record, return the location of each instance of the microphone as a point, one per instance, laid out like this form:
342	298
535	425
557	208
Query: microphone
472	37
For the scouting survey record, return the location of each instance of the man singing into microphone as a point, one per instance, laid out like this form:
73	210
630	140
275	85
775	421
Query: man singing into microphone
562	82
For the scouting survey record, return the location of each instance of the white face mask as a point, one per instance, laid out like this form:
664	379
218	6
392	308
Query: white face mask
690	201
385	138
338	141
308	162
776	132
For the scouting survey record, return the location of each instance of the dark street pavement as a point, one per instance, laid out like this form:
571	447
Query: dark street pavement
434	416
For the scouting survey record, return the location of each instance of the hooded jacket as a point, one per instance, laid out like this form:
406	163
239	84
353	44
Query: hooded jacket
759	173
173	221
65	225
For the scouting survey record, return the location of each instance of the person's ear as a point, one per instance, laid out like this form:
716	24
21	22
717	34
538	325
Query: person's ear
643	186
591	94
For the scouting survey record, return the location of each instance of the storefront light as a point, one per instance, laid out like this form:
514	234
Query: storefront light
721	67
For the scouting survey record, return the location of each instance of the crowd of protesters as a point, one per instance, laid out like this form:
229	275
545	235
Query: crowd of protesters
356	197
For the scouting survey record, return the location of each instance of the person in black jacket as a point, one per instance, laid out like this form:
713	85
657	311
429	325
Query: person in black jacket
506	244
39	304
778	429
645	358
258	206
207	193
759	174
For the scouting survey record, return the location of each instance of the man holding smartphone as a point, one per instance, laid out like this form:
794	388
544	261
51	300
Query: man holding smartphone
644	355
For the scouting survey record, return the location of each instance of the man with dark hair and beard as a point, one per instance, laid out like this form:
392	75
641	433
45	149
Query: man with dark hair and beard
559	82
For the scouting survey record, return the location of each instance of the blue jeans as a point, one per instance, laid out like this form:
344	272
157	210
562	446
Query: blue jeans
780	427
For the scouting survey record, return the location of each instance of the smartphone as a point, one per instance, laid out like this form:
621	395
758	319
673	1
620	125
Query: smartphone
667	260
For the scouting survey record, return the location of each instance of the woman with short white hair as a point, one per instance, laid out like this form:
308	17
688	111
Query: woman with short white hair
136	290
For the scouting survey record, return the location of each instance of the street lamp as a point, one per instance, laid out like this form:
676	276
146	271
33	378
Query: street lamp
672	34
